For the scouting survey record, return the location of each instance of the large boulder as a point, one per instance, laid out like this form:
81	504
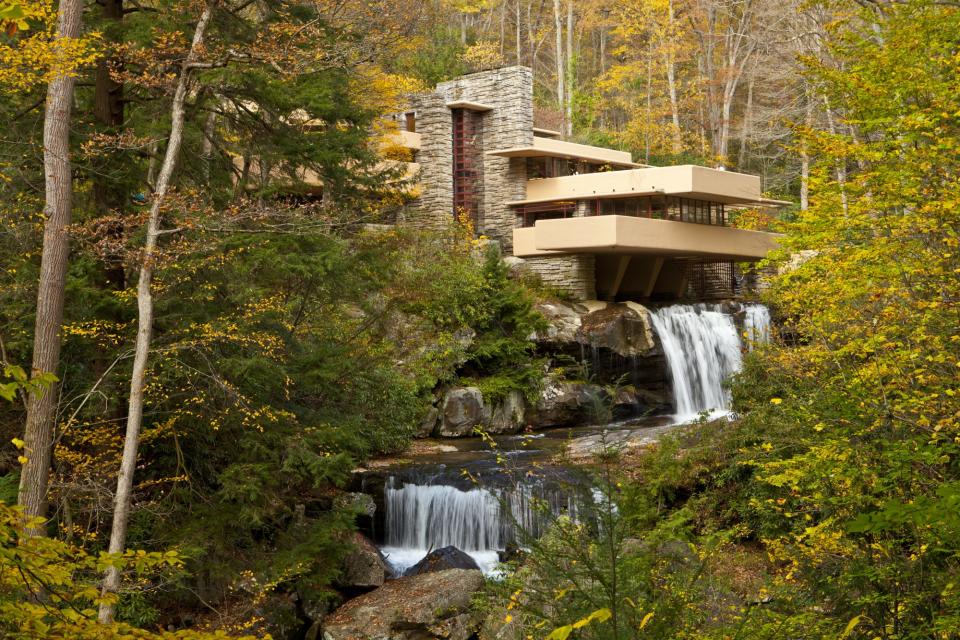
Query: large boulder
421	607
441	560
624	329
463	409
363	567
508	414
563	404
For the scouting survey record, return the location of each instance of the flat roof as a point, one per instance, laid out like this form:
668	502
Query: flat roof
471	106
546	133
552	148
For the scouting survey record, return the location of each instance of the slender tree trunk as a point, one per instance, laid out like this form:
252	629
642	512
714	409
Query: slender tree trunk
672	81
58	206
646	129
121	505
805	160
561	71
746	130
569	65
841	164
206	149
517	15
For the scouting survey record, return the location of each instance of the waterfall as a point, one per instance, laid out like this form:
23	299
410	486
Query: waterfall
424	517
756	325
702	349
435	516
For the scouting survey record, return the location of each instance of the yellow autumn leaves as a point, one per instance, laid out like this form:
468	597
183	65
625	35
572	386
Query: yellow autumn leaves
31	56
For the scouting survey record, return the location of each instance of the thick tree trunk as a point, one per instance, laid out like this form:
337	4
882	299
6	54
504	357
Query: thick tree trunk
42	407
121	505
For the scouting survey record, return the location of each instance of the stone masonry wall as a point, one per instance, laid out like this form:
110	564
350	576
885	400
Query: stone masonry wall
572	274
509	124
434	208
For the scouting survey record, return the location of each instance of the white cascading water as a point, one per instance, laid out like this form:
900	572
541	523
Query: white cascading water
756	325
702	349
424	517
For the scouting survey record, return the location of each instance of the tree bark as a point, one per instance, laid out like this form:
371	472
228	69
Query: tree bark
746	131
672	82
569	66
58	206
805	159
558	28
121	505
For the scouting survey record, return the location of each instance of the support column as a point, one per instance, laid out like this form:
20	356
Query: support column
622	265
652	277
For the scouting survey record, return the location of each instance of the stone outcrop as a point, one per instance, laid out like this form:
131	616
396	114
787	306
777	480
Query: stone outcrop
587	447
422	607
563	404
363	567
463	409
429	423
623	329
508	414
443	559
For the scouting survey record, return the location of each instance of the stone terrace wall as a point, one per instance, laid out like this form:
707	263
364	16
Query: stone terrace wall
572	274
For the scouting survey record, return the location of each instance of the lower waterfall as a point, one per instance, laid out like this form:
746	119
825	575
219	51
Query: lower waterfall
703	349
422	517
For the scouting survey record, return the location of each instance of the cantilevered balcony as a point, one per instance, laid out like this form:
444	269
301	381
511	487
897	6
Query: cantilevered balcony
689	181
631	235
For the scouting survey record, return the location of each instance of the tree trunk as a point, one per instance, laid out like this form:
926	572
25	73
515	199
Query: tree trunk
746	130
672	82
805	160
206	149
517	11
569	96
121	504
558	28
841	164
42	407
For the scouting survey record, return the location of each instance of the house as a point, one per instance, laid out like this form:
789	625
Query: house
588	220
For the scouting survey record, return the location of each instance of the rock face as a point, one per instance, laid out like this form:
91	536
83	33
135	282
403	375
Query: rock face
587	447
363	568
463	409
564	404
508	415
422	607
622	328
429	423
441	560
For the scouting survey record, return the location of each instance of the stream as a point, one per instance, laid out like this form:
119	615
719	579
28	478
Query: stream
488	496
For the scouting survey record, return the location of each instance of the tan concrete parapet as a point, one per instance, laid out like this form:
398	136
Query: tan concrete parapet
628	235
409	139
682	180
